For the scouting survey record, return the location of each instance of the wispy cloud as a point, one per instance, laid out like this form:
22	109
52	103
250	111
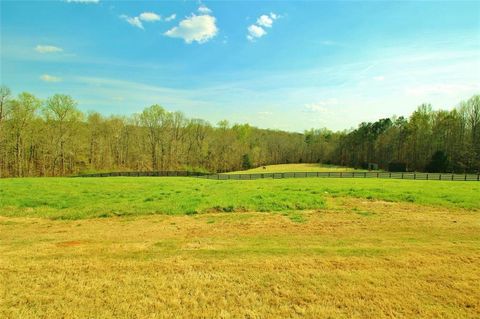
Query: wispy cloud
204	10
83	1
440	89
195	28
47	49
328	43
171	17
134	21
142	17
50	78
321	106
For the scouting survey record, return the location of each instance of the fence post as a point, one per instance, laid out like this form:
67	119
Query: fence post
328	174
318	174
465	176
427	176
364	174
478	177
341	174
414	175
402	175
390	175
452	177
283	175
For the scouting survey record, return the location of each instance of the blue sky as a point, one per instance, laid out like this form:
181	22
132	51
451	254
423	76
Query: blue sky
288	65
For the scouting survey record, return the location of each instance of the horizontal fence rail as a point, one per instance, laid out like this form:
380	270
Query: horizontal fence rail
388	175
151	173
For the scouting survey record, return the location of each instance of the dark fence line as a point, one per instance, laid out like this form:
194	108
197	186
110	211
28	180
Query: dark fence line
388	175
137	174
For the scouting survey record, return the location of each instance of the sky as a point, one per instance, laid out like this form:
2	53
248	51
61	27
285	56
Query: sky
289	65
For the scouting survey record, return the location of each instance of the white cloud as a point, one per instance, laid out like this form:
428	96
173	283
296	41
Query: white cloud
195	28
134	21
379	78
149	17
47	49
203	9
257	30
144	16
265	21
50	78
83	1
171	17
254	31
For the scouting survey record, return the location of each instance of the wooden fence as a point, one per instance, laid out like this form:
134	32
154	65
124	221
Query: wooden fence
151	173
389	175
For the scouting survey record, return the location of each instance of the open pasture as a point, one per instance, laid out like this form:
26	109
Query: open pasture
127	247
77	198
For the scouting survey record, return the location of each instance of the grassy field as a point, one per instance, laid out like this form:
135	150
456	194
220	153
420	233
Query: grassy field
76	198
194	248
304	167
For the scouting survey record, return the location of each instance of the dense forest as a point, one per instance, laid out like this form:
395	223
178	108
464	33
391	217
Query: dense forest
54	138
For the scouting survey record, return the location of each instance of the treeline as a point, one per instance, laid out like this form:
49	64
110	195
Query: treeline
431	141
53	138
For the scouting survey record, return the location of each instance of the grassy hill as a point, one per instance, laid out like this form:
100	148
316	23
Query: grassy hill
304	167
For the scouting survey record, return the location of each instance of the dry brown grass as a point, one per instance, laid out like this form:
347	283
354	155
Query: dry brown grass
357	259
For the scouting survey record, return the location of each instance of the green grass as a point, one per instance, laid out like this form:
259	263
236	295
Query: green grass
304	167
78	198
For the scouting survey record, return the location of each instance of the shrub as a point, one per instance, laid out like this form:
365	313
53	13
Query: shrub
397	167
438	163
246	162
